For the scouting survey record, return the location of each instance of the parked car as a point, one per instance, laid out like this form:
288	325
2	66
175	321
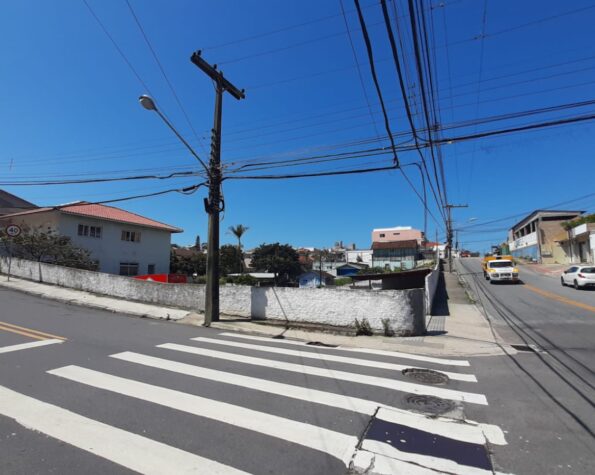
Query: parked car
579	277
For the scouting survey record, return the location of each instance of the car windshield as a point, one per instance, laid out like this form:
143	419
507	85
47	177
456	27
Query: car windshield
588	270
498	264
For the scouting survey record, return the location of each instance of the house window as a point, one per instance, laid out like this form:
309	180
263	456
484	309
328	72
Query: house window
95	231
92	231
396	234
128	268
151	269
382	235
131	236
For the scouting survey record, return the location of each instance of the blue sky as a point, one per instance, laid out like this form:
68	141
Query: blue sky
69	109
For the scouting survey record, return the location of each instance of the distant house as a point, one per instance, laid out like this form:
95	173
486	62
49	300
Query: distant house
312	279
360	256
350	268
395	255
121	242
10	203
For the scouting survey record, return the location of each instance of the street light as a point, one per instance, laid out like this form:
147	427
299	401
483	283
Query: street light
148	103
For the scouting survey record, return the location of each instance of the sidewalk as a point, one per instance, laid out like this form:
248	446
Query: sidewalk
456	328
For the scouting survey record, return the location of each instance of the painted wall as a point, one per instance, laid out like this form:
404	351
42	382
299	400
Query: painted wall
405	309
430	288
110	250
364	254
399	233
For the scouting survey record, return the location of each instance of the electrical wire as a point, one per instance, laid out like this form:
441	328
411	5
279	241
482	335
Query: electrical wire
165	76
370	53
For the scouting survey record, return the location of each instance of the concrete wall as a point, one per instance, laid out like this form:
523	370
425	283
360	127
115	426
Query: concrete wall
430	288
405	309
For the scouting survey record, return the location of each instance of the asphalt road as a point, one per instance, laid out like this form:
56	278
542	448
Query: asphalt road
544	397
108	393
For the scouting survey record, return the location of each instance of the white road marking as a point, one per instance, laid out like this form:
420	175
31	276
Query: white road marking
325	357
333	374
394	354
119	446
382	465
339	401
427	461
25	346
463	431
334	443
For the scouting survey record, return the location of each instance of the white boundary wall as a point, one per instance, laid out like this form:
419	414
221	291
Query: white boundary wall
405	309
431	286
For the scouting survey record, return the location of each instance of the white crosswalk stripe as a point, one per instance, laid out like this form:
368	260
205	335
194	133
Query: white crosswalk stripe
325	357
334	443
394	384
130	450
369	351
387	421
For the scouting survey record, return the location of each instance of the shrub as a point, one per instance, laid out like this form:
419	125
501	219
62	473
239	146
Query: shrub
363	327
388	331
343	281
244	279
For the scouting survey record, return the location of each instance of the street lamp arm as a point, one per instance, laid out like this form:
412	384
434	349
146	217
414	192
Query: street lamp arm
149	104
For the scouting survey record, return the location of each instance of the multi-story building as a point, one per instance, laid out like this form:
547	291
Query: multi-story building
535	236
396	255
398	233
121	242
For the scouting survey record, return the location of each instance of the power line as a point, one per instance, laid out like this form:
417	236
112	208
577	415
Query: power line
118	49
99	180
164	74
375	78
359	72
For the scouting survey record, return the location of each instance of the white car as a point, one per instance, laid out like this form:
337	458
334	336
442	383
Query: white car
579	276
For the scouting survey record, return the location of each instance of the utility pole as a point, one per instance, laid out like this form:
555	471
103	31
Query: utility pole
214	204
449	231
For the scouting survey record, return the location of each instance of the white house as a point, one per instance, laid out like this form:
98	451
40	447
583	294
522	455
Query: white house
122	242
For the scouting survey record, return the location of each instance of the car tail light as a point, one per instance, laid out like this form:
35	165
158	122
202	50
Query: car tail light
581	276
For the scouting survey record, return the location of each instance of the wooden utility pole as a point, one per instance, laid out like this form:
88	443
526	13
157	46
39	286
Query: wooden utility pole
449	231
214	204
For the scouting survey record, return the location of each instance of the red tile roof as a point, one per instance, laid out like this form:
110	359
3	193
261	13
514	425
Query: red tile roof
108	213
411	243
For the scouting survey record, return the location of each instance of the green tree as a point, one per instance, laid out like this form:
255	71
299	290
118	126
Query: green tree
238	231
45	245
229	259
281	259
195	263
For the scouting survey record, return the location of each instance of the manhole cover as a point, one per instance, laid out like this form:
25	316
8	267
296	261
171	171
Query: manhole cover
319	343
427	376
431	404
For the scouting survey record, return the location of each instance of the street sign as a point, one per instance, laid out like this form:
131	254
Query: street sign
13	230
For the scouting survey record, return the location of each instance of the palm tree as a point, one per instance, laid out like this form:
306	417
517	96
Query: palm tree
238	231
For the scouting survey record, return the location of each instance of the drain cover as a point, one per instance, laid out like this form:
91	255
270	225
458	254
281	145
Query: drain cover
427	376
431	404
531	348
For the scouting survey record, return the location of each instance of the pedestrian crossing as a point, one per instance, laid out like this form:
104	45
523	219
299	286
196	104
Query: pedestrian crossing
257	377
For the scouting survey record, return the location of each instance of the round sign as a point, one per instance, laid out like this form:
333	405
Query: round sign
13	230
